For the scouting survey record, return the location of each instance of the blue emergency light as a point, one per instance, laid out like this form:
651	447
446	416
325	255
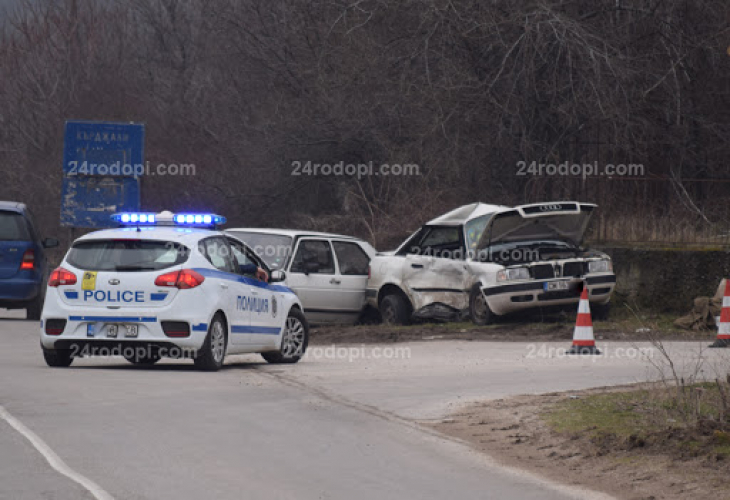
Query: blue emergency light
168	219
135	218
199	220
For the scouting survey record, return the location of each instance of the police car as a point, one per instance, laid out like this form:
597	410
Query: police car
168	285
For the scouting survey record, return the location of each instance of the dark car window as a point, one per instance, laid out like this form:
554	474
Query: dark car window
218	253
126	255
244	256
13	227
315	257
352	259
273	249
434	241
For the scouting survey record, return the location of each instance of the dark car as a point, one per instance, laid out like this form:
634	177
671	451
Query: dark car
23	266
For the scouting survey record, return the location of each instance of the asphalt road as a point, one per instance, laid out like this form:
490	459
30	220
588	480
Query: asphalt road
327	428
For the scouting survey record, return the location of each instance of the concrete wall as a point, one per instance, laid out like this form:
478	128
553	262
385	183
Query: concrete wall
666	280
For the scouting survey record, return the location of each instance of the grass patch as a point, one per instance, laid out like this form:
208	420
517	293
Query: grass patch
691	421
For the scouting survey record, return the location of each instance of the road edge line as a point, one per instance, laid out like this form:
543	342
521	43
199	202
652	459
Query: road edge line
52	458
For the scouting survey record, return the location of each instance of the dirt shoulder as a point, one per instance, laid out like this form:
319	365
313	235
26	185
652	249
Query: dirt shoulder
549	328
529	432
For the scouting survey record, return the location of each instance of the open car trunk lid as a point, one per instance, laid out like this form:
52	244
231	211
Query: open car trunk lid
565	221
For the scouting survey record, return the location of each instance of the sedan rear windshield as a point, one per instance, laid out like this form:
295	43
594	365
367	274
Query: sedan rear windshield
13	227
126	255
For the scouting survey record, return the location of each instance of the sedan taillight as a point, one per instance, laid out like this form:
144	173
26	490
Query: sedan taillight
187	278
61	276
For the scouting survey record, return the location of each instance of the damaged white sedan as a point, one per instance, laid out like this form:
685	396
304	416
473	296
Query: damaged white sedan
492	260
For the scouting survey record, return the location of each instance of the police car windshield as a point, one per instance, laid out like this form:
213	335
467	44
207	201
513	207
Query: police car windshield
127	255
13	227
273	249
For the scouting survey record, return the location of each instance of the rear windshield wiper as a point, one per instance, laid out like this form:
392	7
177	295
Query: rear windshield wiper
135	268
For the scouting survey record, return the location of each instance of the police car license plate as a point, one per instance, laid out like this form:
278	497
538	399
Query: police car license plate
555	285
129	330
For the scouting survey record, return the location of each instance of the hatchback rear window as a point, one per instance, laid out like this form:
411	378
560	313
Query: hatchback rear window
13	227
127	255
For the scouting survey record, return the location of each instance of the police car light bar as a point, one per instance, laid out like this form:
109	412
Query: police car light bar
199	220
168	219
135	218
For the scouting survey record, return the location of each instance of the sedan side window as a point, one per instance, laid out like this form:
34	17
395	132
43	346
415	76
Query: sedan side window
352	259
444	242
313	257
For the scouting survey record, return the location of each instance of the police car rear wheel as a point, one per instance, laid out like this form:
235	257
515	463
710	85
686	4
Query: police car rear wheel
294	340
210	357
57	359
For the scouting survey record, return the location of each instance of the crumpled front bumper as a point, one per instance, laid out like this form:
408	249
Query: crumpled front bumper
514	297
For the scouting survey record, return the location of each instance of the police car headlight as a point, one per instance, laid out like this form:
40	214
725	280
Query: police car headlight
517	273
600	266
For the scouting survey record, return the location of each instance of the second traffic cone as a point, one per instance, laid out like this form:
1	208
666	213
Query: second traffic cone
583	341
723	328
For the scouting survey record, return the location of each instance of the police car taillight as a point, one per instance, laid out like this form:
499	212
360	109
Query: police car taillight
187	278
61	276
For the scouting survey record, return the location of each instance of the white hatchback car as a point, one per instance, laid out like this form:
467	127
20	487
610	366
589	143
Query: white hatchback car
329	272
168	285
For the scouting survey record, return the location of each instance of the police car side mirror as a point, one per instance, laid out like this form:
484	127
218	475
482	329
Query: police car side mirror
50	243
277	276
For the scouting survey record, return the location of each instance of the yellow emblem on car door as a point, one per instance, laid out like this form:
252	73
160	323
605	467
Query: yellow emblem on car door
89	281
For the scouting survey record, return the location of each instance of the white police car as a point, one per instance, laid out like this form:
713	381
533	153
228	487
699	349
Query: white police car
168	285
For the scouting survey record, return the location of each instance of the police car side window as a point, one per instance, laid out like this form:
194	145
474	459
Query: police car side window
218	253
313	257
242	256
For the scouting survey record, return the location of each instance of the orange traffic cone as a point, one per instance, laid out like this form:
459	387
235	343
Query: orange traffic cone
583	341
723	328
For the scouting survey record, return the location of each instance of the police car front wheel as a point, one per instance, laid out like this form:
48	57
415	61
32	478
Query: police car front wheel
294	340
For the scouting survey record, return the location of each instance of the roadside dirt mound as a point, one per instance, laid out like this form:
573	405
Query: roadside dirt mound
513	432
